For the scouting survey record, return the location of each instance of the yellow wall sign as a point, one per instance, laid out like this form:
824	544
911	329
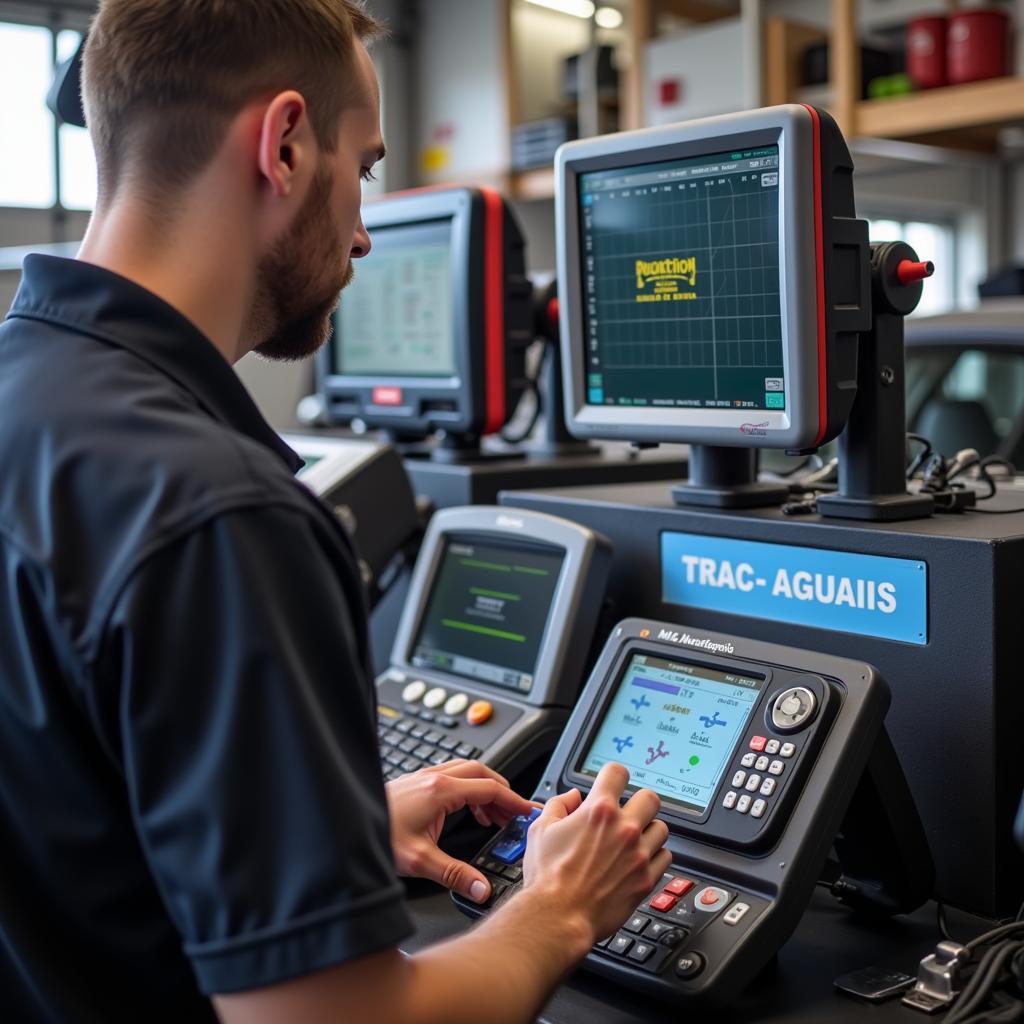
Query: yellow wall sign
661	280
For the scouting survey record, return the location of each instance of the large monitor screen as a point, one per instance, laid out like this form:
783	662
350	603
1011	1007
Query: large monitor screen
395	319
674	726
681	305
487	611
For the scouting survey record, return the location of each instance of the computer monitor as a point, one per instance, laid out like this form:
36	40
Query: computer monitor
431	335
713	279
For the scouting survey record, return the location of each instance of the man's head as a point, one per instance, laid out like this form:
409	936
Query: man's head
271	105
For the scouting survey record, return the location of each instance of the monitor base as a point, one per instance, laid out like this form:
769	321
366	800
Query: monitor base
722	477
749	495
892	508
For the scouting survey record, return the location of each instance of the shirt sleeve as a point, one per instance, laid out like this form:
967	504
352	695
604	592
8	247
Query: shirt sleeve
245	722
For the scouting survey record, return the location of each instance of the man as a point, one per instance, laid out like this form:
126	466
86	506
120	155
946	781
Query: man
193	820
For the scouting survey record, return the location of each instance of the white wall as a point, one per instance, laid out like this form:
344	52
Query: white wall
461	104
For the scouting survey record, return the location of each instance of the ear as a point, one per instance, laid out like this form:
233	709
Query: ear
284	143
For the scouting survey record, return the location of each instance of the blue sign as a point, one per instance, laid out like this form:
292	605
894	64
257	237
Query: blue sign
864	594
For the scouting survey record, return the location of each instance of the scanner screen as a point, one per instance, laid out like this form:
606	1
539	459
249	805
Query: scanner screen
488	610
674	726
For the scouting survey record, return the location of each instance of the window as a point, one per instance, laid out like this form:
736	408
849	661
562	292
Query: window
933	241
53	168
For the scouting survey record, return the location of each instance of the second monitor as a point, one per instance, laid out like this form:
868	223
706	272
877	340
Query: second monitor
431	337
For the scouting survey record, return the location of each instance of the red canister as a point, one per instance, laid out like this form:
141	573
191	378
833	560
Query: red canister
926	51
977	46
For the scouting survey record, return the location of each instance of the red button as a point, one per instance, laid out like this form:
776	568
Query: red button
387	396
709	897
664	901
678	886
758	743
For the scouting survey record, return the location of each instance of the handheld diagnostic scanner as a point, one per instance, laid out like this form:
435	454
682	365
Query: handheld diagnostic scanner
713	279
756	751
431	335
493	640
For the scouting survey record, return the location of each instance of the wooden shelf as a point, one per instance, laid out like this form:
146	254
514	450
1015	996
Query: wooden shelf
976	109
535	184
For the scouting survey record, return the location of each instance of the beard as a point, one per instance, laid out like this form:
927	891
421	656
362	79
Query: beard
299	282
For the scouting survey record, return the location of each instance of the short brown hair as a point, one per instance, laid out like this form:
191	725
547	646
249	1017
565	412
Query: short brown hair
162	79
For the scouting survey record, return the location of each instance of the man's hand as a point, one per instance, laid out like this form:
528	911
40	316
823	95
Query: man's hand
418	804
595	854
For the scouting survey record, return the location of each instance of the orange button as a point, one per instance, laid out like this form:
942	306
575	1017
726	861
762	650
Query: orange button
479	712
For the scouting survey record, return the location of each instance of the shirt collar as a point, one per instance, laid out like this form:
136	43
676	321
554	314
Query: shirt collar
100	303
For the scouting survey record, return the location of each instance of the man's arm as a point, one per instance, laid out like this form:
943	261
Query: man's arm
588	864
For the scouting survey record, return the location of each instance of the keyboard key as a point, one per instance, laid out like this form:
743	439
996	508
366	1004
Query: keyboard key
424	750
405	725
637	923
620	944
433	737
418	731
467	750
412	764
449	743
678	886
663	902
440	757
409	744
641	951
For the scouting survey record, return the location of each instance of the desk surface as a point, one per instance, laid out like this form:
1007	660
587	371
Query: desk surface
798	988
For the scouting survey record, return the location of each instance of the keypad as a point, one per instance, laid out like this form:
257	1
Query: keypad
407	743
768	758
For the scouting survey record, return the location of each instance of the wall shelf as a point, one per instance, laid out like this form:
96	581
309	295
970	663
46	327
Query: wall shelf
977	109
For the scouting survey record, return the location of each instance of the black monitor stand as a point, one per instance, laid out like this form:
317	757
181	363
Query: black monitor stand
722	477
557	441
872	447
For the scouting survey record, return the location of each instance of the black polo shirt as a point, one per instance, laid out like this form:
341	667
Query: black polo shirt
190	798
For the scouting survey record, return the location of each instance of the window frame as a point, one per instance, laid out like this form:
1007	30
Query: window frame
57	17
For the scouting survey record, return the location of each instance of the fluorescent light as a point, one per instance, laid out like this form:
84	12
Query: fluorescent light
608	17
577	8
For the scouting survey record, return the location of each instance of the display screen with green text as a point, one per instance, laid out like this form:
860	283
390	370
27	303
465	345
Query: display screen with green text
488	610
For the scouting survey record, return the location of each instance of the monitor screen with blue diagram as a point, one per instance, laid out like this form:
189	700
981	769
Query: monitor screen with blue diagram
674	726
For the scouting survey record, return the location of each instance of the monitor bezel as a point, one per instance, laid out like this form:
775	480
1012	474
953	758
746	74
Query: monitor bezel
797	426
496	525
461	387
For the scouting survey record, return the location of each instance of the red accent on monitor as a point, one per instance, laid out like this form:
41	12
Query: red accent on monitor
494	310
819	261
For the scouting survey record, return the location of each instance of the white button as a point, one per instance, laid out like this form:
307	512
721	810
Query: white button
435	698
739	778
768	787
762	763
747	760
775	768
730	799
414	691
456	704
788	750
753	781
758	809
771	747
736	913
743	804
395	676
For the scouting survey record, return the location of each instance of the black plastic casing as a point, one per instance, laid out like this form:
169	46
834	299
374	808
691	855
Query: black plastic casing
772	864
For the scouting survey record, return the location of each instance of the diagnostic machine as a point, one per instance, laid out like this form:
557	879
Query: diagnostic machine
365	485
432	335
493	640
713	278
756	751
